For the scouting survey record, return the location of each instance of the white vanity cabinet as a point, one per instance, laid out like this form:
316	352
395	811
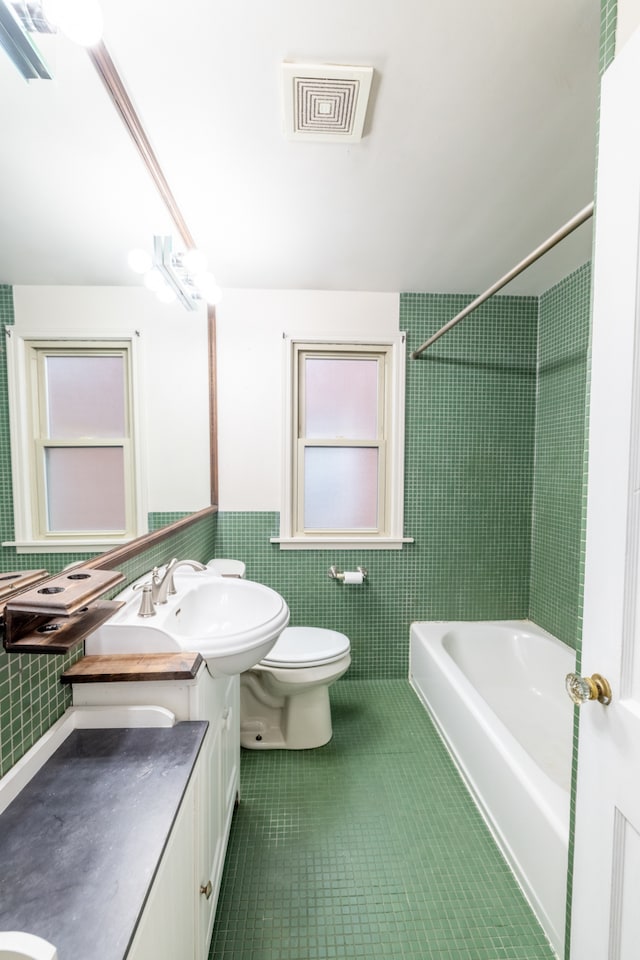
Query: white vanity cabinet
183	899
166	929
216	797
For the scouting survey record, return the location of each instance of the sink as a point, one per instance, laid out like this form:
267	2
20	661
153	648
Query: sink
232	623
25	946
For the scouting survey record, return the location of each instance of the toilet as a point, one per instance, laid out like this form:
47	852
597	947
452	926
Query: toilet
284	699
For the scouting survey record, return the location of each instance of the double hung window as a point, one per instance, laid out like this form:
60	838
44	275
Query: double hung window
344	433
73	442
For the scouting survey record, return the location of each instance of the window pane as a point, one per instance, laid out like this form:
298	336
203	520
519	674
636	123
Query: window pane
85	488
85	397
341	398
341	488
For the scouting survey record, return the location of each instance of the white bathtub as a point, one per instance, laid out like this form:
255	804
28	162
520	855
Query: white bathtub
495	691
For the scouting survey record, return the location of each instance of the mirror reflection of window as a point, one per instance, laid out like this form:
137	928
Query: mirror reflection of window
75	437
84	397
83	439
85	489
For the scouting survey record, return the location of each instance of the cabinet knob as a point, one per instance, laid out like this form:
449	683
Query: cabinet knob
207	889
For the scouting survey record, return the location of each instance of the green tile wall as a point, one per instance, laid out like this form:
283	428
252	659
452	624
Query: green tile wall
556	569
608	23
470	445
156	520
469	461
469	455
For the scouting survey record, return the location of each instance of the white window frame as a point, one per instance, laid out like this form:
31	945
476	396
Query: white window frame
391	444
23	353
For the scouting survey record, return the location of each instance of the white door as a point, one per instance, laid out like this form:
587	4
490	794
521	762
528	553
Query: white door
606	885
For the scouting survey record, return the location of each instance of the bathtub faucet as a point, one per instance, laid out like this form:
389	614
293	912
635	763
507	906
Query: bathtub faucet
163	585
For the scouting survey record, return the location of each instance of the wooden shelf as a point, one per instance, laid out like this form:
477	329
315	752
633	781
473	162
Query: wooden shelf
37	633
58	613
116	668
16	581
65	594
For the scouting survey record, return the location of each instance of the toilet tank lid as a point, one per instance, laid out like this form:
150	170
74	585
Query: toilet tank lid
309	646
228	568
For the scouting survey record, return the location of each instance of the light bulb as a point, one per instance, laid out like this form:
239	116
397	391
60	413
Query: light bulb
153	281
139	261
195	262
165	294
79	20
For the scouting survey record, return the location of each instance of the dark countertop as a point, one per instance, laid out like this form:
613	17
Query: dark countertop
80	845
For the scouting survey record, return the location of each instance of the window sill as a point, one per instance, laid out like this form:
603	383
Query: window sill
341	543
98	545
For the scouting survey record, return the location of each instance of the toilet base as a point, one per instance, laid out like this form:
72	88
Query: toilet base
301	721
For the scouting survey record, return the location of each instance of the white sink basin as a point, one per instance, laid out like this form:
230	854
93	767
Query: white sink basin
24	946
232	623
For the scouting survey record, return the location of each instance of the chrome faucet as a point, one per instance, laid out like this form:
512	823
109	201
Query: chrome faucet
163	586
146	600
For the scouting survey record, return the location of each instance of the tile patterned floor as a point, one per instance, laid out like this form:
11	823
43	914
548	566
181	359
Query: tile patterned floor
369	847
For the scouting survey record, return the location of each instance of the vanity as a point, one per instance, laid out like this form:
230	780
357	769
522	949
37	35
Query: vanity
183	685
99	820
114	826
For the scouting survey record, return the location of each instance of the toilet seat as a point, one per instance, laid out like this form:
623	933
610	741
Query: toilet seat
298	647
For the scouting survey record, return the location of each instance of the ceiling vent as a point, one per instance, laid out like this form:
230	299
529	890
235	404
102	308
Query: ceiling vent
325	101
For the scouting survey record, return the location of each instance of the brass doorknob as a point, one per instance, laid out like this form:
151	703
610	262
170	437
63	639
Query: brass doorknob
581	689
206	889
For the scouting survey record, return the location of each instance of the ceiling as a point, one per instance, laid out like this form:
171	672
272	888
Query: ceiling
479	142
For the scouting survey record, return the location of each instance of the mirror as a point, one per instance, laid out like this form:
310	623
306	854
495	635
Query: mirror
77	199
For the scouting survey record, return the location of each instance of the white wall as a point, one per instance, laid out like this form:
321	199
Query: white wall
628	20
174	361
250	328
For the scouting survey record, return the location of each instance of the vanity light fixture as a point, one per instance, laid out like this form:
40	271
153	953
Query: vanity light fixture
175	275
79	20
15	26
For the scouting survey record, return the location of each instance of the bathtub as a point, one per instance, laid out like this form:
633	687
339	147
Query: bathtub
495	691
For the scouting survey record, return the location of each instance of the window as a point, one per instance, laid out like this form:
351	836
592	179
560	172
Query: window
73	453
343	472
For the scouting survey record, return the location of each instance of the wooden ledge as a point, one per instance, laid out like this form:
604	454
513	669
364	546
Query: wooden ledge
111	668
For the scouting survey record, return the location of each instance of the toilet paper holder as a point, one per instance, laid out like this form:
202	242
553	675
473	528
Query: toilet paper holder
336	574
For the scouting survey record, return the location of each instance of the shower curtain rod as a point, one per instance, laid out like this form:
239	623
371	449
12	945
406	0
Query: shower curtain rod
555	238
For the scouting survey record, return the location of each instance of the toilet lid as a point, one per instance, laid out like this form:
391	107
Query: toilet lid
307	647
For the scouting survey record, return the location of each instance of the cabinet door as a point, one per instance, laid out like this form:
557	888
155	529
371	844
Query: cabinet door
166	930
210	834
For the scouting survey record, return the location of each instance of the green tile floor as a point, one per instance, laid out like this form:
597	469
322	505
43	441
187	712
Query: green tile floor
368	847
